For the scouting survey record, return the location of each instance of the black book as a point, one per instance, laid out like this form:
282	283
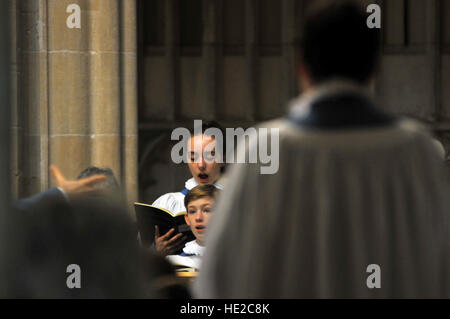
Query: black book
148	216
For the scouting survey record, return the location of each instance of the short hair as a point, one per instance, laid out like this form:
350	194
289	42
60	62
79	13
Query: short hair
110	183
200	191
336	42
206	125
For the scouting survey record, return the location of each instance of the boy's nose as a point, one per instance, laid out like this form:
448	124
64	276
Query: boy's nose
201	164
199	216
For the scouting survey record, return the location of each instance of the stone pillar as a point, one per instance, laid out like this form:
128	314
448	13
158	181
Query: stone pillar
77	90
5	123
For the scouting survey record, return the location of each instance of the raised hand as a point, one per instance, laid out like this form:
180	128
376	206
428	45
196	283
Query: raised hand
78	187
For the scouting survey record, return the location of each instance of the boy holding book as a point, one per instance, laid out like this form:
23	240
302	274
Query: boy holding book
199	203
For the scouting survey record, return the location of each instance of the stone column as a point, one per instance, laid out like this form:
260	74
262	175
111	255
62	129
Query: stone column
6	70
78	90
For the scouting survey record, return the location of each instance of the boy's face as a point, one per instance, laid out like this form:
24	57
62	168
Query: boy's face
198	215
204	170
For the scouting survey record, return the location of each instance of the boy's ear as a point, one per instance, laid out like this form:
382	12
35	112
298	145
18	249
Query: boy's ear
186	219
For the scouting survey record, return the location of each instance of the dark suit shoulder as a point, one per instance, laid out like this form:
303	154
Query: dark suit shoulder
36	201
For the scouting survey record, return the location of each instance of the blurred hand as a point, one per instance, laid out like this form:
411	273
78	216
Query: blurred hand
78	187
166	245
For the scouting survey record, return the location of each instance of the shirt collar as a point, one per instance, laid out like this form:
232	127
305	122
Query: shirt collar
301	106
193	248
191	183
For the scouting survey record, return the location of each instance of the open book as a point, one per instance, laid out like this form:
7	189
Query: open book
148	216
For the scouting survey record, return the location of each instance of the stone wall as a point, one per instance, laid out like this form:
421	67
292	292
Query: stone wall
77	92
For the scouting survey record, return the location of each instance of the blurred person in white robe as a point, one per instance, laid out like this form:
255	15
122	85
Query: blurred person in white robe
359	205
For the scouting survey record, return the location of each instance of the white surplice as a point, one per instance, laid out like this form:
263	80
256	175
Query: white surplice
342	200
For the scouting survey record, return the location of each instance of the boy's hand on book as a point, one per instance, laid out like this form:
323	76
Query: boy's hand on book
166	245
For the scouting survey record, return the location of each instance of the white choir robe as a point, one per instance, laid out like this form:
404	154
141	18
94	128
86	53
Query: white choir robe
342	200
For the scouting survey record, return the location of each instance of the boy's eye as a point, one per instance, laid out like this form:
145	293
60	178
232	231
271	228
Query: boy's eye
207	210
209	156
191	212
194	157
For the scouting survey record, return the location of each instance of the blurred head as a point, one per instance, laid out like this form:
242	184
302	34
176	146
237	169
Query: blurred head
109	187
336	43
99	238
199	203
203	168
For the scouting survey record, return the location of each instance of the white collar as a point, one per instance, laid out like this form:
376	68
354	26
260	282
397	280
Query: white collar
300	106
193	248
191	183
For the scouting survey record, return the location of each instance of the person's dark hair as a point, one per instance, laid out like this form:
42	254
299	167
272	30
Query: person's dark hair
200	191
336	42
109	184
206	125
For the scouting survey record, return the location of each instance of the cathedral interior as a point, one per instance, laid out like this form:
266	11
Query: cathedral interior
105	82
109	91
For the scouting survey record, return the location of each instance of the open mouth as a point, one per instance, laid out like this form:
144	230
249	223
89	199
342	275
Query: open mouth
200	228
203	176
